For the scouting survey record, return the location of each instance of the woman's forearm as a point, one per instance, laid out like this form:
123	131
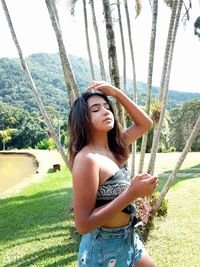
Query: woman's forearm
136	113
103	214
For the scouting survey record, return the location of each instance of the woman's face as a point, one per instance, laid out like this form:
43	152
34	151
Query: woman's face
101	116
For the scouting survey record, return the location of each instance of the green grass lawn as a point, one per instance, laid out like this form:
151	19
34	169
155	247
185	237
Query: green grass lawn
174	242
36	226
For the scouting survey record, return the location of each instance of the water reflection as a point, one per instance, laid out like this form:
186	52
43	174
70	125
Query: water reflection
14	167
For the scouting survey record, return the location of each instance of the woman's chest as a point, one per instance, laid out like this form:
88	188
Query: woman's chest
107	167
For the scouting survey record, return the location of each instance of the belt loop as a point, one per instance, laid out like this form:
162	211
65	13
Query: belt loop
137	230
95	233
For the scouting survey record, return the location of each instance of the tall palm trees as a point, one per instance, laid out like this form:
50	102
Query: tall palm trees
133	77
71	4
99	50
112	54
123	46
71	84
87	39
174	21
149	79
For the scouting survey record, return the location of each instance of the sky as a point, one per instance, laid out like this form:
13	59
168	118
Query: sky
35	34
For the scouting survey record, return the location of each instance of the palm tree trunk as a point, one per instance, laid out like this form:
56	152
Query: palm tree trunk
124	58
87	40
112	51
123	46
164	83
32	84
134	80
71	84
182	157
112	55
149	80
167	49
100	55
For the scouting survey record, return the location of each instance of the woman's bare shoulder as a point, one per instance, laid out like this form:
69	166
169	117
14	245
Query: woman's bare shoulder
85	159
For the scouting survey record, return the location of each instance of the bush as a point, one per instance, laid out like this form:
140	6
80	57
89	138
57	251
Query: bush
172	149
51	144
162	149
46	144
162	211
43	144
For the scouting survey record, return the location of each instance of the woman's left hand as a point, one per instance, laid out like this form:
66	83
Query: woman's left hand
104	87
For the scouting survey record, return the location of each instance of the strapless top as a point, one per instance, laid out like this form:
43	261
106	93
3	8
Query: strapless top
113	187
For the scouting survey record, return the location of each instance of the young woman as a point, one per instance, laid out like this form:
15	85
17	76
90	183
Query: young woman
104	191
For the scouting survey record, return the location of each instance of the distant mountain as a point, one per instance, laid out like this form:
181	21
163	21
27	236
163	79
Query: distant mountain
48	76
175	98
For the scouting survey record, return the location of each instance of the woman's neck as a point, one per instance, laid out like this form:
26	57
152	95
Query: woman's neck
100	142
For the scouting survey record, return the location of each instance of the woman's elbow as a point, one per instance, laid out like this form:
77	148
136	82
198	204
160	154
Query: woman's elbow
81	228
81	231
146	125
149	124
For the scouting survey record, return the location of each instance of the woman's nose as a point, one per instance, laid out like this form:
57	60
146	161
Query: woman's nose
105	110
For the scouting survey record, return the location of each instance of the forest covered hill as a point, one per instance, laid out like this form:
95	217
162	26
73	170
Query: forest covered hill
48	76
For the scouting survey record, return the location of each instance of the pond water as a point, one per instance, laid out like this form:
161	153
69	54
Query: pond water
14	167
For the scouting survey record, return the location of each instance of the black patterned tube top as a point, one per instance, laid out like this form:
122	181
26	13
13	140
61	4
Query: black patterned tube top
113	187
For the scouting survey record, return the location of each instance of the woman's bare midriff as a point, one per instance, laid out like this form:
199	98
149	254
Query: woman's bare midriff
119	220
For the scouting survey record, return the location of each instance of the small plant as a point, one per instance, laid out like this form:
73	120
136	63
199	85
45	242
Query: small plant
43	144
172	149
155	111
162	148
51	144
162	210
6	134
46	144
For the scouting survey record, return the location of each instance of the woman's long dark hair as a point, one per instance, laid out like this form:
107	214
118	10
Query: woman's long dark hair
80	128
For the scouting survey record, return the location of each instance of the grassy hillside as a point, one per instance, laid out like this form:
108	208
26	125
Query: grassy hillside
48	76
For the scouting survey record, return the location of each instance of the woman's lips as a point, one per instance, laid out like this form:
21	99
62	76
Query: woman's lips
107	120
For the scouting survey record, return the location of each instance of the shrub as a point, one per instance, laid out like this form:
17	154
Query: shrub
46	144
162	149
51	144
172	149
162	211
43	144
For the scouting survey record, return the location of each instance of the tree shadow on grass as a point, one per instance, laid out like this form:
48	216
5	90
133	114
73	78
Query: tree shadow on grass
38	230
162	180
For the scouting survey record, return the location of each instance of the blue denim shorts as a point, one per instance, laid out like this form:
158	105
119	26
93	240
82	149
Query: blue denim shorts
111	247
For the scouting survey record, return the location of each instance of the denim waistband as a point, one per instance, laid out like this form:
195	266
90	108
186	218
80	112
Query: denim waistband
119	231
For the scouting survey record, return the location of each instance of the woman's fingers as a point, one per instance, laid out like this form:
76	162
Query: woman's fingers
95	84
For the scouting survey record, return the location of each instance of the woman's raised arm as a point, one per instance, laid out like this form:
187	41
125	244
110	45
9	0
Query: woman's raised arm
141	121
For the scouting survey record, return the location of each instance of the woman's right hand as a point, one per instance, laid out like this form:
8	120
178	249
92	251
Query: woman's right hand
104	87
143	185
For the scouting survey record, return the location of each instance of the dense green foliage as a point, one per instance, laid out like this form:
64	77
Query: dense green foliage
47	74
182	123
30	127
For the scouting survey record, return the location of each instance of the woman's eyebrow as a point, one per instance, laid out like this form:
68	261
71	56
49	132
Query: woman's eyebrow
99	104
95	105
